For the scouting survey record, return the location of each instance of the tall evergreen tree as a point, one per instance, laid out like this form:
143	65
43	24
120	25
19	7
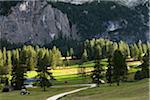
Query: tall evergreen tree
5	60
32	59
1	63
84	56
17	80
56	56
145	66
43	72
97	73
98	52
140	50
9	62
119	66
109	72
71	52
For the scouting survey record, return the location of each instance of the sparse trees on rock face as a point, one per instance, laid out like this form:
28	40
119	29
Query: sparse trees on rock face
119	66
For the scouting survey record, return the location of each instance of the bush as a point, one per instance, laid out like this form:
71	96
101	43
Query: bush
6	89
1	86
138	75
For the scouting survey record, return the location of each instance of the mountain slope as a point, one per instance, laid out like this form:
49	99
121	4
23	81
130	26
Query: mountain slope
109	20
42	22
34	22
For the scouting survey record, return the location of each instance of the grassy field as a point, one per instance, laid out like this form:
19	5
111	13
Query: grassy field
126	91
36	94
68	71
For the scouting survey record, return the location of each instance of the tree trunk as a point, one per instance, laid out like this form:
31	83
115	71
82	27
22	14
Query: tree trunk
118	83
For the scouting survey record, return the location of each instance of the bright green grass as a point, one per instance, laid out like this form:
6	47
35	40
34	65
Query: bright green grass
36	94
70	71
126	91
73	80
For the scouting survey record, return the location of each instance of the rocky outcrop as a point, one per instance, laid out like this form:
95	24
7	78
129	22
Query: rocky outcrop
34	22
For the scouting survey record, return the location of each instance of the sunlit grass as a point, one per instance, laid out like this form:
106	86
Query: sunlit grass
126	91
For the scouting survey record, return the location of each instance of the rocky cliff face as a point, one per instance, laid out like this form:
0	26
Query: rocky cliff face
110	20
34	22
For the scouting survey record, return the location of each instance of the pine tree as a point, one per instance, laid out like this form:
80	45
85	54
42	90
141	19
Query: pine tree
17	71
43	72
98	52
140	51
55	57
5	60
9	62
136	50
128	51
145	66
32	59
1	66
71	52
119	66
109	72
97	73
144	48
84	56
1	63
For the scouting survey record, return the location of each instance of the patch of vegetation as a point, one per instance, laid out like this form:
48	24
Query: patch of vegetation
36	94
127	91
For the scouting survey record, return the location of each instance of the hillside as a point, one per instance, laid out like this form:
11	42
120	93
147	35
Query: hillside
109	20
127	91
65	25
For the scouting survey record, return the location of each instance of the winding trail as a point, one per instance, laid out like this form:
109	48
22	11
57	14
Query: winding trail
55	97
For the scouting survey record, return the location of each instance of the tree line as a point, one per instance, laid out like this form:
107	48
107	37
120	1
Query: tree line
18	61
105	48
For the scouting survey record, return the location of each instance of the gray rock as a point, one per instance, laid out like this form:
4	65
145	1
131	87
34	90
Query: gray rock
35	22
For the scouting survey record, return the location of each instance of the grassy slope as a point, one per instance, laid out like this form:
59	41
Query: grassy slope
36	94
126	91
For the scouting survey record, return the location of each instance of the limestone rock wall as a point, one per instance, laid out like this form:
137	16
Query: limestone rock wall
34	22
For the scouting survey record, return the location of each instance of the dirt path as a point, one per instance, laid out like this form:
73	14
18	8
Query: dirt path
87	86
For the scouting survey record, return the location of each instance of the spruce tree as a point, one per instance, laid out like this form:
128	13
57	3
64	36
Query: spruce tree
97	73
1	63
17	80
119	66
1	66
84	56
44	73
145	66
109	71
9	62
5	60
71	51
